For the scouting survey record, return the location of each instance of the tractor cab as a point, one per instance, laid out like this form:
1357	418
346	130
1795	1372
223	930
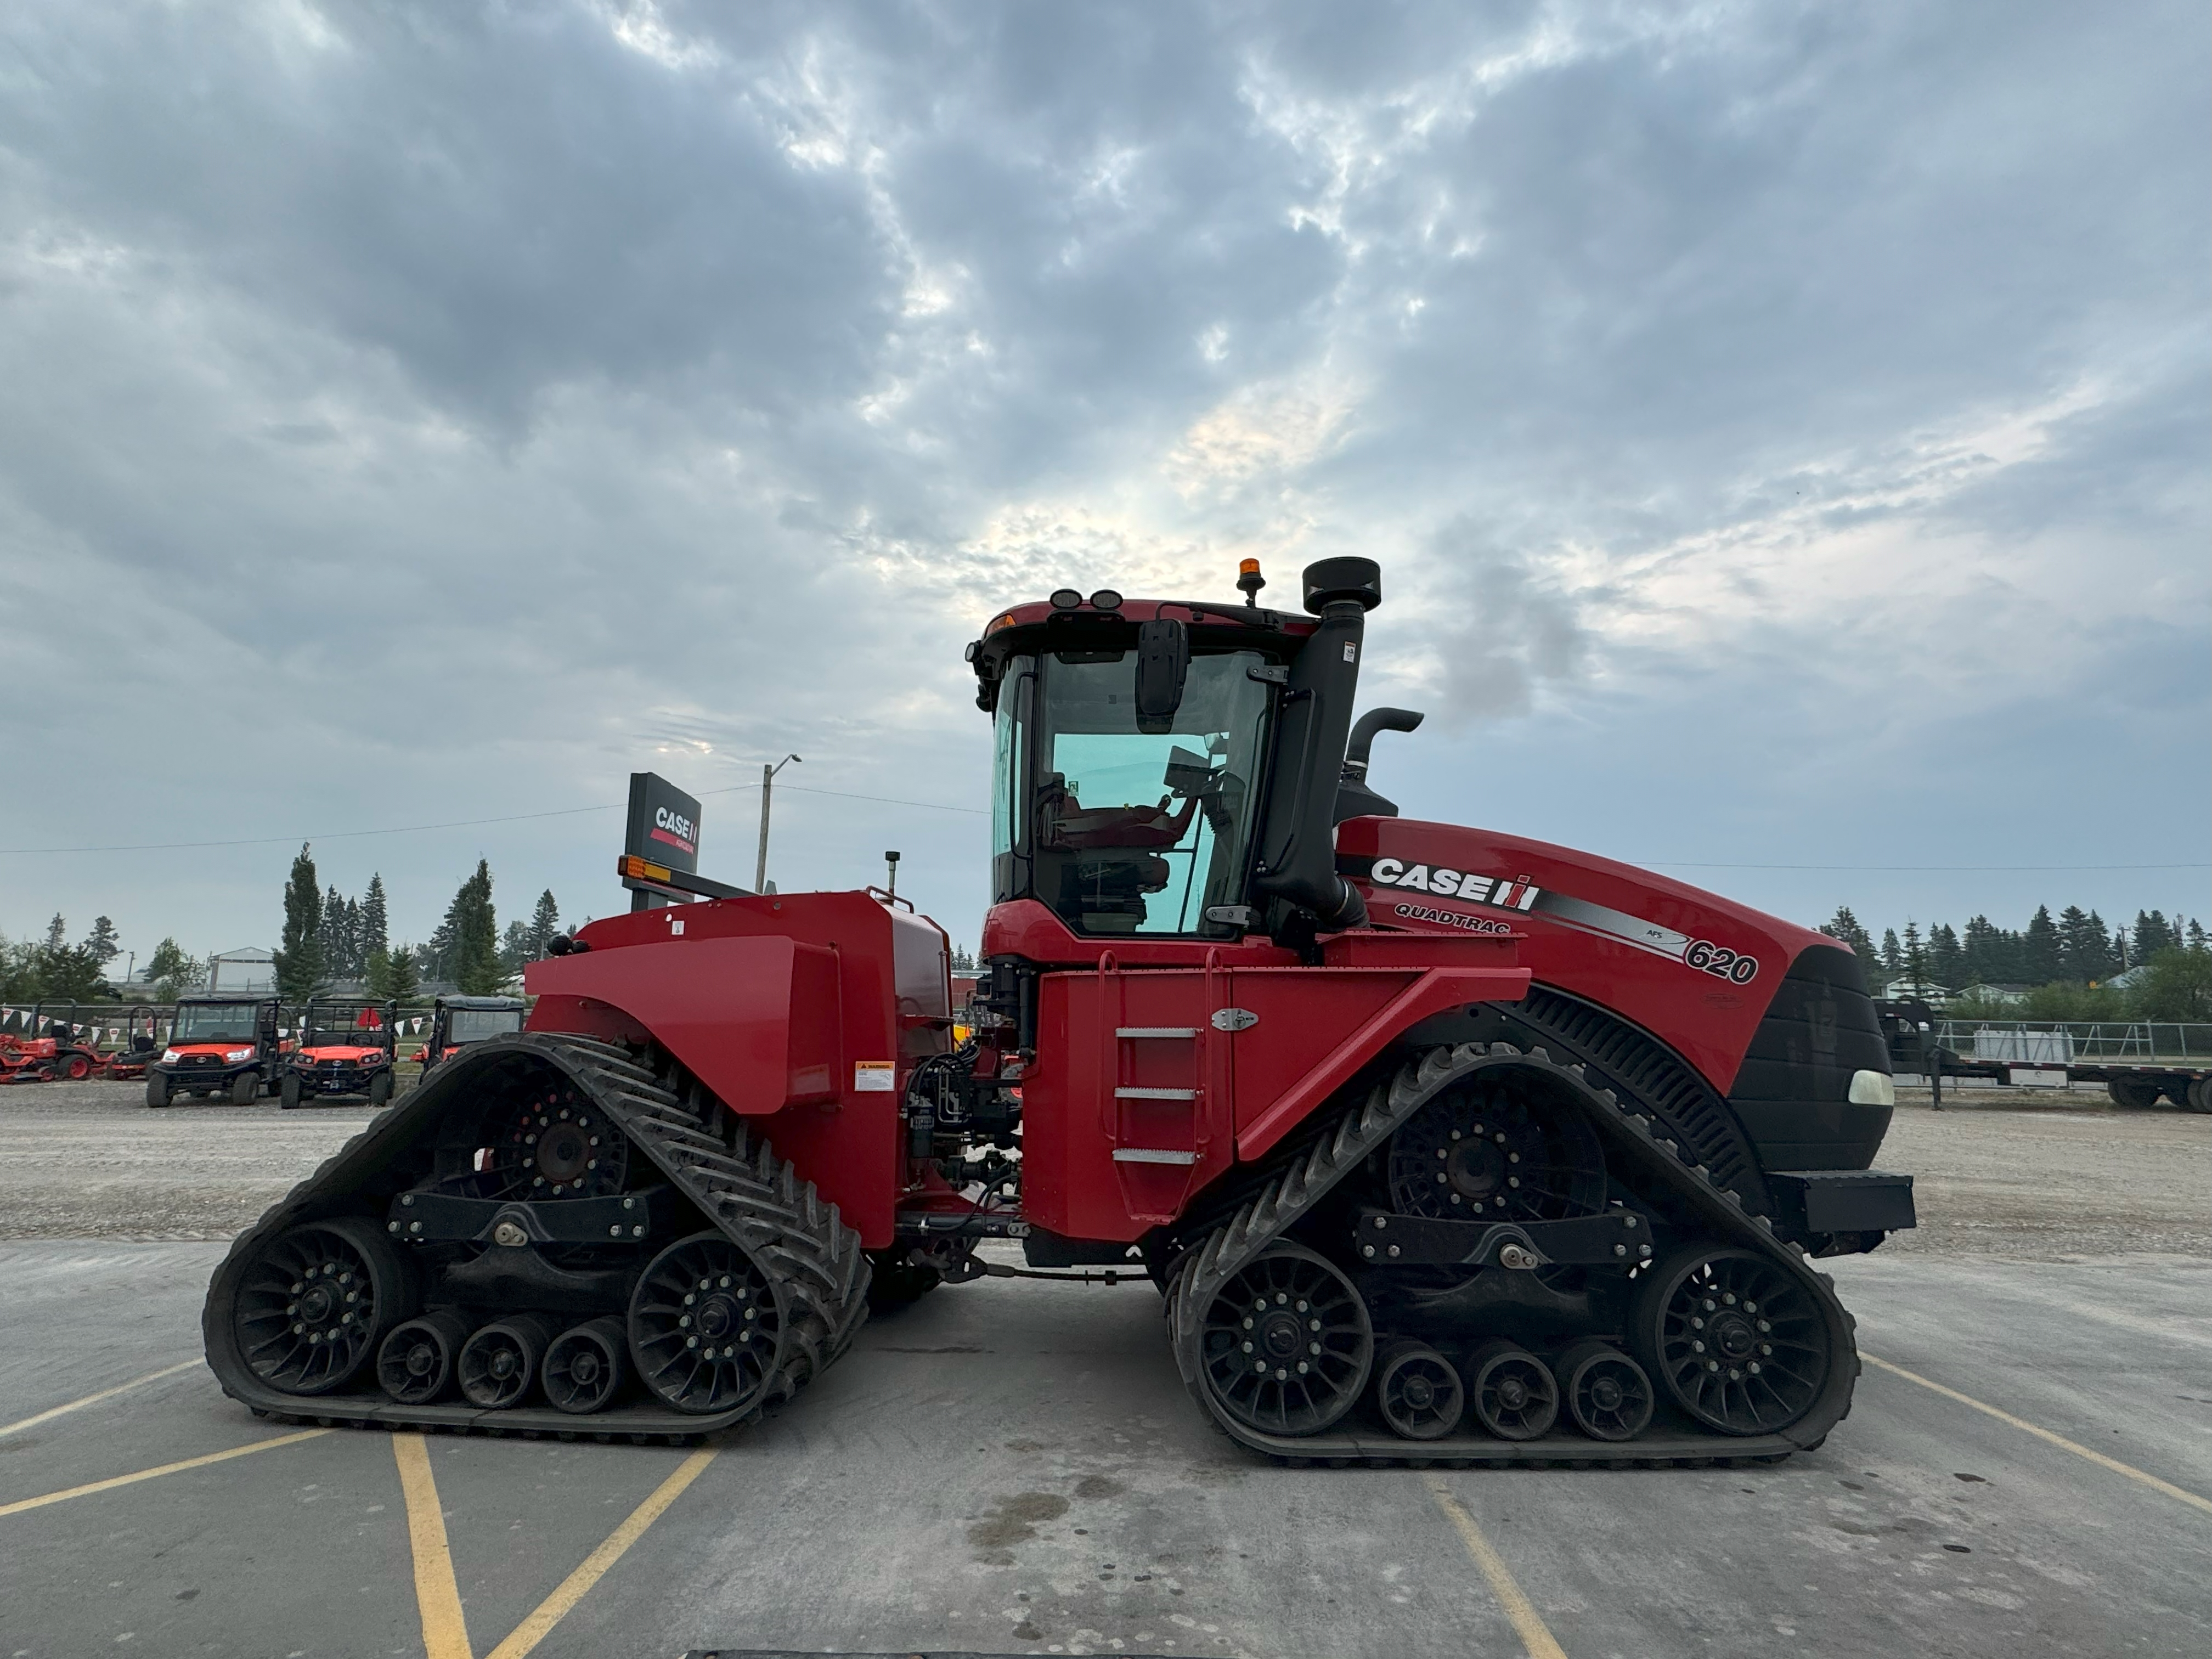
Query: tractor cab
347	1047
460	1021
224	1045
1170	769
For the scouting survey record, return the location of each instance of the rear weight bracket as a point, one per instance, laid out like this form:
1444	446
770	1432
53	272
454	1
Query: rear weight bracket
1617	1238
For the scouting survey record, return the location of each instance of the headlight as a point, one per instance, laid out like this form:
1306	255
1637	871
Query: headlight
168	1056
1873	1089
234	1055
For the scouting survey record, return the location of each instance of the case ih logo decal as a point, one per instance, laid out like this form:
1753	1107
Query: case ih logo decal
674	828
1519	893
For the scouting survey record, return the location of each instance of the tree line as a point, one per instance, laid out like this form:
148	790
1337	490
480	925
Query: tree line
2061	964
329	936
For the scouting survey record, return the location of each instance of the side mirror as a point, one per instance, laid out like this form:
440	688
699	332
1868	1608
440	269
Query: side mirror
1163	659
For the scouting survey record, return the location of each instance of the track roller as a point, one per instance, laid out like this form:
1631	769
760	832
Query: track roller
416	1363
501	1361
585	1366
314	1303
1287	1344
1513	1393
704	1323
1418	1391
1607	1393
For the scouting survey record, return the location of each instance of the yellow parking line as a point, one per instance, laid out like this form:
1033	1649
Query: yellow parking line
95	1398
2060	1440
1535	1636
445	1634
109	1485
534	1629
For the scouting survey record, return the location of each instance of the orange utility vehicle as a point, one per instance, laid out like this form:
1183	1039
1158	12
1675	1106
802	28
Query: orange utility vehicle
219	1045
347	1047
459	1021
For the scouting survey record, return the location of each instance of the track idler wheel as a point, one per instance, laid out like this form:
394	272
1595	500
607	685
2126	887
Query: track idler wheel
314	1304
1418	1391
1735	1340
585	1366
1515	1396
1607	1393
1286	1345
501	1361
705	1326
416	1364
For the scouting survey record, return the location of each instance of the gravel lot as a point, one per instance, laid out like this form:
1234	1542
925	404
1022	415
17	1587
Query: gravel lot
2040	1177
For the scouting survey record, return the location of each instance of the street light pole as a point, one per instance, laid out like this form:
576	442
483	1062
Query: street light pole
767	788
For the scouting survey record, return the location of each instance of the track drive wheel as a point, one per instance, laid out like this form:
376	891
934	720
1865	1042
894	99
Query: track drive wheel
288	1091
705	1325
1607	1393
243	1087
1418	1391
157	1090
585	1366
1514	1395
1286	1346
314	1304
379	1089
416	1363
1734	1340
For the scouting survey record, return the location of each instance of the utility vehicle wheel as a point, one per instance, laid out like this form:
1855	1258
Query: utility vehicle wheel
704	1325
893	1282
1418	1391
379	1089
1515	1396
157	1089
499	1362
1286	1345
1607	1393
2135	1093
287	1092
1735	1342
315	1302
416	1363
585	1366
243	1087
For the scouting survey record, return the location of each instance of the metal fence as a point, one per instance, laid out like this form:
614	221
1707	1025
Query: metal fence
2059	1040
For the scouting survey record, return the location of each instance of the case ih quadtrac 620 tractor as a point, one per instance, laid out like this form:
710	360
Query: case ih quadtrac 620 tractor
1438	1143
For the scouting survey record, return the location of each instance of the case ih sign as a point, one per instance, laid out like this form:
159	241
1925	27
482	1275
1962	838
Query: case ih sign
664	822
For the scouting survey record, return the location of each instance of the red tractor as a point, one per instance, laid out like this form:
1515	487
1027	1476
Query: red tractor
1438	1142
347	1047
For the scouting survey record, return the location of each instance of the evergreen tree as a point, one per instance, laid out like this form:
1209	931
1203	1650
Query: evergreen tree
2081	948
300	956
172	970
1893	953
375	920
71	971
391	975
2197	939
2042	960
514	948
101	941
1846	927
57	933
1947	959
472	930
329	934
1914	956
2119	949
2152	934
962	963
544	922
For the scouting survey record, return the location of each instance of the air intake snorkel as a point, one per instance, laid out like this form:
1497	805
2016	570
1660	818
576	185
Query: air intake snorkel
1297	855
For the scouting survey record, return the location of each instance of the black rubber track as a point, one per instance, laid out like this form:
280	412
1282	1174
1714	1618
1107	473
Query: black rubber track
751	1195
1291	1193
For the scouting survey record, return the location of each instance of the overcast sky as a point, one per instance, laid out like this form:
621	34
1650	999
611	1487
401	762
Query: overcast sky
1784	429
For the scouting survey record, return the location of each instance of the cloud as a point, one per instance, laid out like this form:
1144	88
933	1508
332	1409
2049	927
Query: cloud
410	414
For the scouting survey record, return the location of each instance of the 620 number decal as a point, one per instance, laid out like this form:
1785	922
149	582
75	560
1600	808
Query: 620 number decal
1720	962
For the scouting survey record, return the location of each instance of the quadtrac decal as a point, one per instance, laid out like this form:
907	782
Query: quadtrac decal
1519	893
